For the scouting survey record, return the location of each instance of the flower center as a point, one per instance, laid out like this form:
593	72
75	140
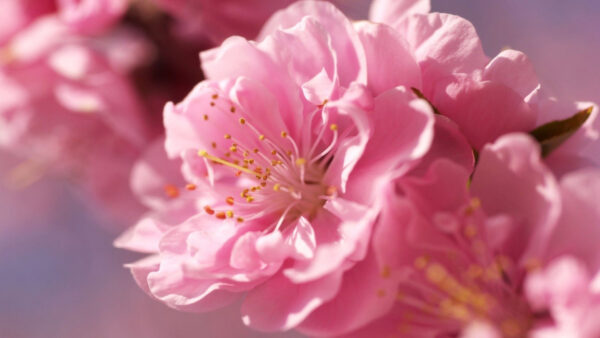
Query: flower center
279	179
450	288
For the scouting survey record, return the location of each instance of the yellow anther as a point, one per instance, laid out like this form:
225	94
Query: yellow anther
300	161
242	121
470	231
255	150
386	272
436	273
333	127
209	210
273	152
473	205
233	148
421	262
331	190
261	137
276	186
249	199
205	117
400	296
171	191
284	134
229	213
227	136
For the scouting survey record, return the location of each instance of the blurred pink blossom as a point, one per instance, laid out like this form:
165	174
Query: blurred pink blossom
512	256
70	107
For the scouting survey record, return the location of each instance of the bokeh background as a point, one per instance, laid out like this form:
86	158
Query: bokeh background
61	277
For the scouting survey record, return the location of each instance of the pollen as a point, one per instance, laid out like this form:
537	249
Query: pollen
229	213
249	199
242	121
171	191
240	220
220	215
209	210
232	109
227	136
421	262
386	272
276	187
261	137
229	200
215	96
300	161
284	134
190	186
205	117
333	127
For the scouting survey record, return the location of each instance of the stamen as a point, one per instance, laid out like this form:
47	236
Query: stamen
203	153
171	191
190	186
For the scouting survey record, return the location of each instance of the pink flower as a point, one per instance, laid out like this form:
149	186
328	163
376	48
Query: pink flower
514	255
486	98
71	109
284	151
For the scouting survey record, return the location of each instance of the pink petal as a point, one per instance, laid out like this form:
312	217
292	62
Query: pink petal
484	110
513	69
390	63
364	296
345	41
339	238
294	302
443	44
448	142
403	132
511	179
577	232
144	237
240	58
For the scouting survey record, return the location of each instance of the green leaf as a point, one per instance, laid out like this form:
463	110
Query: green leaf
552	134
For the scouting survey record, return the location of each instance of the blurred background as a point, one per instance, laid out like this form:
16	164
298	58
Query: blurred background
61	277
